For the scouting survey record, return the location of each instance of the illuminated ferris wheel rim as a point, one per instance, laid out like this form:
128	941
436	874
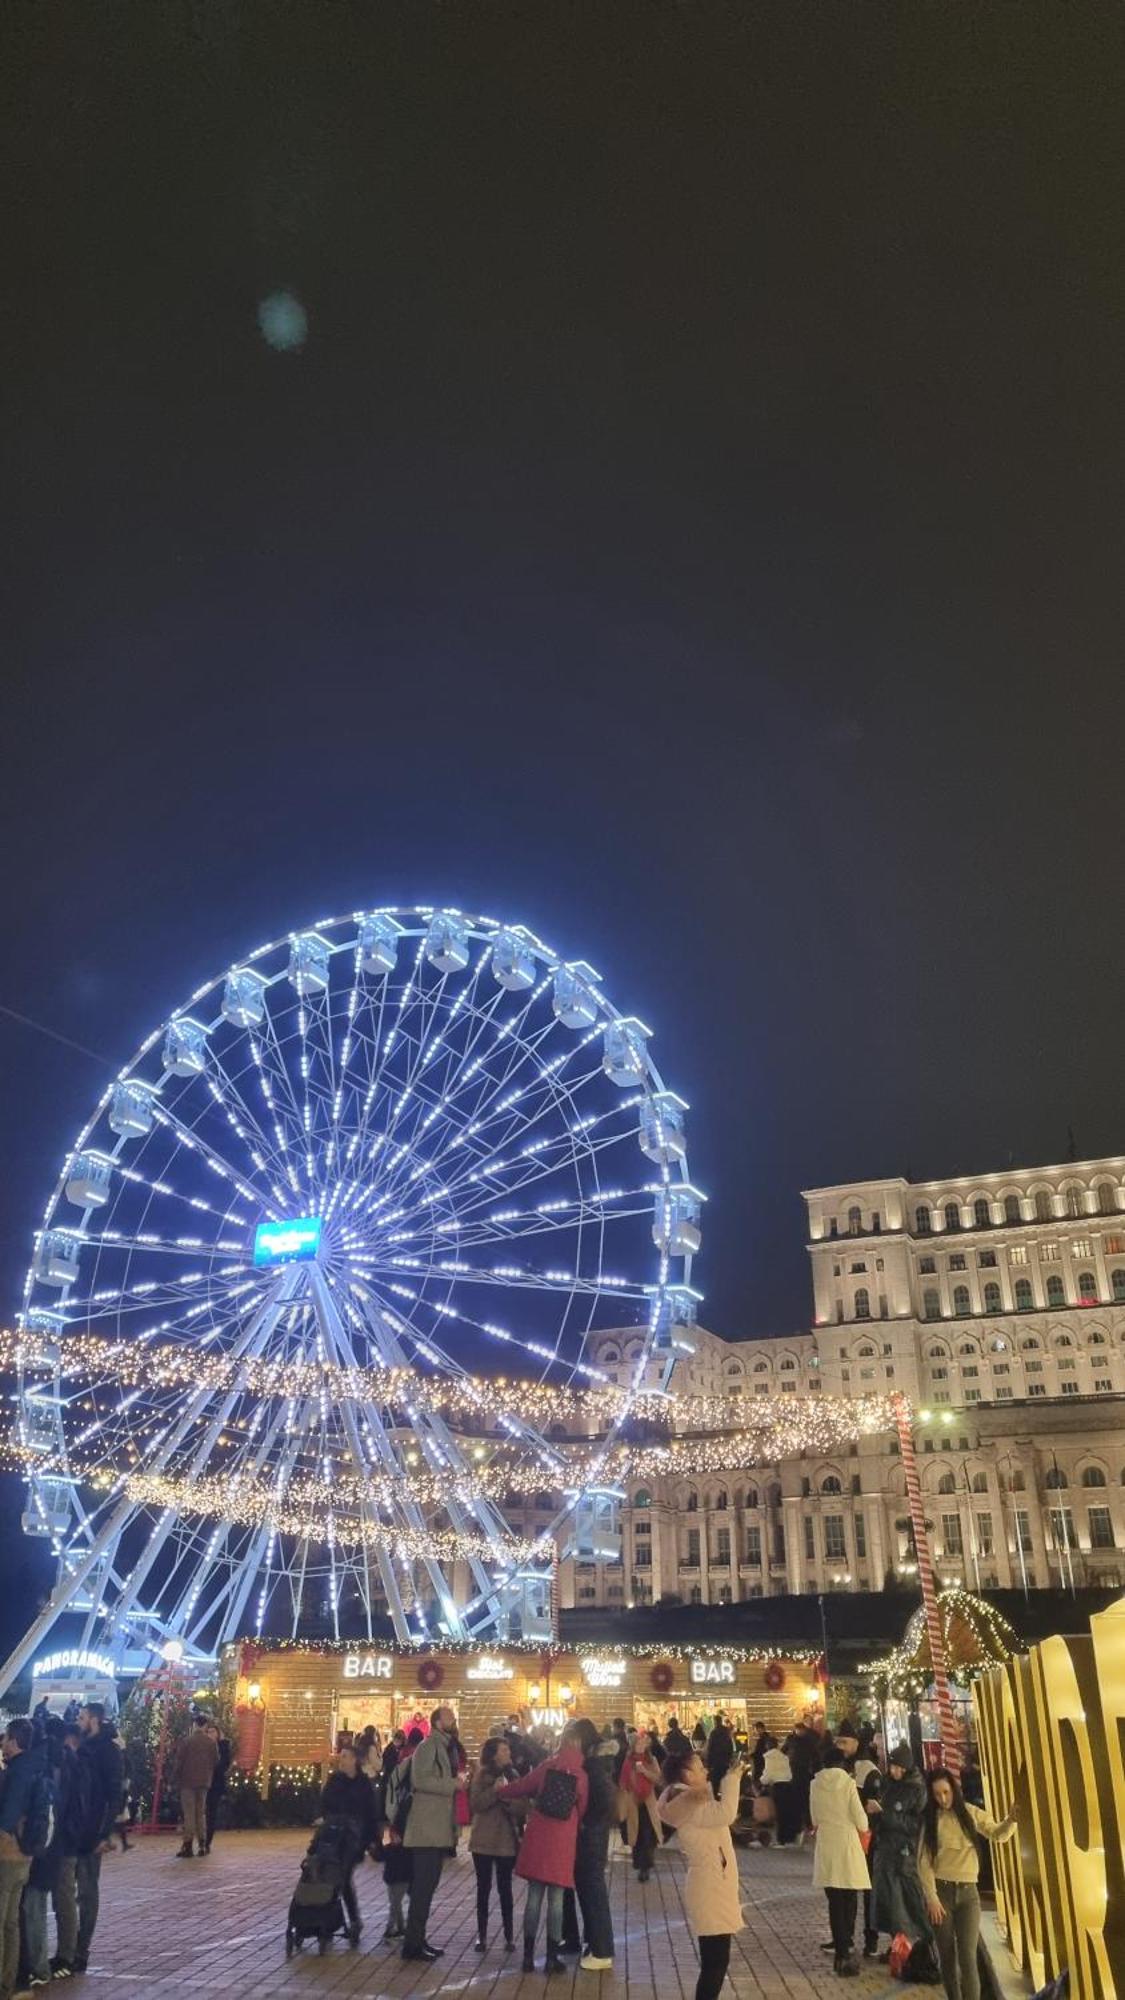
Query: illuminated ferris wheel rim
524	967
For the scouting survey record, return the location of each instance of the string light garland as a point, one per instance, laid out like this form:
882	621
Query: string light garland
583	1411
904	1673
251	1651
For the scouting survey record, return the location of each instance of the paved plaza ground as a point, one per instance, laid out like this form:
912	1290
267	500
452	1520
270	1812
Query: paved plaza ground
218	1926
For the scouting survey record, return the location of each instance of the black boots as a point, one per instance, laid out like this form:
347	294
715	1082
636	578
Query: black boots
528	1956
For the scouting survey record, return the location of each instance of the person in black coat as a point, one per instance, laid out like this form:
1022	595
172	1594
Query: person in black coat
218	1784
348	1796
591	1856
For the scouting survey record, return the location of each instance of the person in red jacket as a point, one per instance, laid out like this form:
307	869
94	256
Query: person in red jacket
559	1789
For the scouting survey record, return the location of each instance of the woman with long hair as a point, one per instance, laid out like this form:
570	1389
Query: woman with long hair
640	1776
949	1867
493	1837
711	1896
839	1863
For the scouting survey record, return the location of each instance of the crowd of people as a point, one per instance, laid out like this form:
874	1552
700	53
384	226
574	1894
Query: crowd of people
548	1812
61	1799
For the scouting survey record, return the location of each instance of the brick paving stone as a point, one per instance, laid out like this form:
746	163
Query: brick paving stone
217	1926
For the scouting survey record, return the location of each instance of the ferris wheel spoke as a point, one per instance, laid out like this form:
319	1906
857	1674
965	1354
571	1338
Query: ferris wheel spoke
263	1151
195	1144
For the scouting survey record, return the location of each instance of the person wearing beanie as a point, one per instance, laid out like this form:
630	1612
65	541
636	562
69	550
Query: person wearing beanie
898	1902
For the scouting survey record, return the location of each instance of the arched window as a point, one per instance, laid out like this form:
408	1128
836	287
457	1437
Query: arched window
947	1483
1087	1288
787	1361
982	1213
938	1353
692	1504
751	1496
1012	1210
1044	1209
1056	1294
855	1221
830	1484
734	1367
999	1346
1063	1340
866	1351
1107	1198
862	1303
610	1356
721	1501
953	1215
1075	1205
1096	1337
980	1482
1056	1480
961	1304
761	1367
1092	1475
643	1498
1023	1295
1119	1283
968	1347
992	1298
931	1305
922	1221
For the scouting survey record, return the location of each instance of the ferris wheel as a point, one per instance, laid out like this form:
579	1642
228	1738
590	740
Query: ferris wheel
400	1151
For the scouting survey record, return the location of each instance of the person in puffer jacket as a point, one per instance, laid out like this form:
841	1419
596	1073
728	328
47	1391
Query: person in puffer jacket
711	1888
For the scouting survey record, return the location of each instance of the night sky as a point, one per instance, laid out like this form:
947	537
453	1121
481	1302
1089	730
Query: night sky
692	526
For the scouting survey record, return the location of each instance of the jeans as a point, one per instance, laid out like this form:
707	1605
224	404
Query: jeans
843	1907
35	1933
956	1939
535	1894
211	1814
350	1899
484	1865
65	1899
87	1877
590	1859
396	1897
714	1958
13	1875
426	1876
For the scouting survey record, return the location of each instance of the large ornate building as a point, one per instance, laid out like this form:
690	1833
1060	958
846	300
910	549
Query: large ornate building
997	1303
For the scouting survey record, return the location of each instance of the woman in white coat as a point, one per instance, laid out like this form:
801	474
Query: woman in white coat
840	1866
711	1896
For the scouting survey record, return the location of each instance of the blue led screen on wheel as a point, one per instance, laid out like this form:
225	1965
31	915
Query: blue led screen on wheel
287	1242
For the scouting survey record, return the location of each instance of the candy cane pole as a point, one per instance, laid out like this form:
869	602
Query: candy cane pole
950	1747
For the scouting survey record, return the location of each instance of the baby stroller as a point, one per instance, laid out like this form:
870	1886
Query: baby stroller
317	1907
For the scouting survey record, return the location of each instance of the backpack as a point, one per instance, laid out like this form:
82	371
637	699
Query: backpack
558	1794
404	1796
37	1828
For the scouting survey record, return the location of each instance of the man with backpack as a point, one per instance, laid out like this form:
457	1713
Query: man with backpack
431	1828
26	1826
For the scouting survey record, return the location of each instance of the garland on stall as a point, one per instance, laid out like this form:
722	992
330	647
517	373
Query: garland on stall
977	1637
252	1650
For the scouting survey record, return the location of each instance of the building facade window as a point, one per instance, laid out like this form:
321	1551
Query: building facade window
1087	1288
1101	1528
931	1305
923	1221
992	1302
951	1534
835	1547
754	1547
862	1303
953	1215
1012	1210
810	1539
982	1214
855	1221
1056	1294
1023	1295
961	1306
